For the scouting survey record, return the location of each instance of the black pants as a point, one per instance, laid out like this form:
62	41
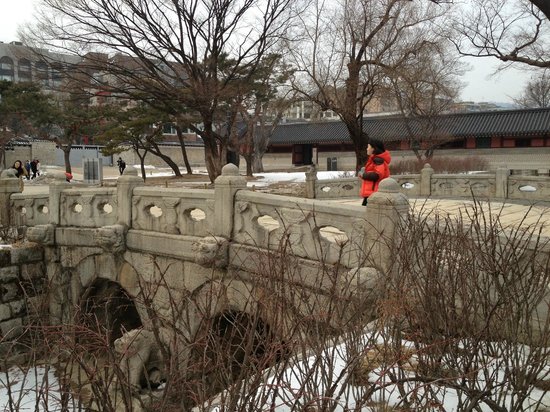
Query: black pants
365	200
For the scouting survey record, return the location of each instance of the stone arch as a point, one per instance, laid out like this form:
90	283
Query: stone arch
107	308
7	71
230	334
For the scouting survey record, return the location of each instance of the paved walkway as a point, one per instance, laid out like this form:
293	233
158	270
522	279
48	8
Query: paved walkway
510	214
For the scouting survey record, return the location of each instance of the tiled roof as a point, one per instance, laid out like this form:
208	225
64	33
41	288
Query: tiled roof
524	122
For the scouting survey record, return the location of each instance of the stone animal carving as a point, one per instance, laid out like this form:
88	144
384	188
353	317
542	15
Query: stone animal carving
141	358
211	251
111	238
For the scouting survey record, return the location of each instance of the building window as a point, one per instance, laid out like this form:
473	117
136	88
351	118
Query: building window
6	69
25	70
42	73
56	75
169	128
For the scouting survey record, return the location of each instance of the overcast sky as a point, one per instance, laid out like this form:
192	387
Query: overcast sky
481	84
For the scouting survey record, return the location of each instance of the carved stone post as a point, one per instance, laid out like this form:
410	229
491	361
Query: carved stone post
501	182
125	188
311	180
225	188
426	180
9	183
386	209
56	187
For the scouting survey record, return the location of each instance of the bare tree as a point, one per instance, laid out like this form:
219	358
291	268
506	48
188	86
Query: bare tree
171	50
261	109
424	89
348	47
536	92
513	31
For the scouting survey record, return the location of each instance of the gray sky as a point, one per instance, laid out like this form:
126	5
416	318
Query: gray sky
481	84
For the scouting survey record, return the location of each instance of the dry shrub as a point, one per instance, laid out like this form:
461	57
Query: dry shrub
456	301
443	164
472	298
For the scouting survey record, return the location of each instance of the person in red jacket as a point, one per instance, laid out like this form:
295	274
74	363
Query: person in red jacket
376	168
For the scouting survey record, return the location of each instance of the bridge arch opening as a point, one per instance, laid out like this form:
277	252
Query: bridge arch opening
233	344
107	309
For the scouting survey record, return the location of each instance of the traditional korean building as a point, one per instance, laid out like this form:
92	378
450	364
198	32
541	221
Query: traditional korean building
478	130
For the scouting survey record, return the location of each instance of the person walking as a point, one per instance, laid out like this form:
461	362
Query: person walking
121	165
376	168
33	168
28	169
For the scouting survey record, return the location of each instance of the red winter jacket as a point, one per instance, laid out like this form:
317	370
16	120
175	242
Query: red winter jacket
376	169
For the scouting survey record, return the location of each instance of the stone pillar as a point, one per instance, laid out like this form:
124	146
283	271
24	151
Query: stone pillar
386	209
501	182
56	187
9	183
311	181
426	180
225	188
125	188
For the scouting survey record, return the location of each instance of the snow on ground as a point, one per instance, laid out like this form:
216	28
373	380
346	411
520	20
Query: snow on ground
322	378
34	390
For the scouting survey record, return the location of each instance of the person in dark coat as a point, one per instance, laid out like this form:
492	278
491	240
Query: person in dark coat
28	169
34	169
121	165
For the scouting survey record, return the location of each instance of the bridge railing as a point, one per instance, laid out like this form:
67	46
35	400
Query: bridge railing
501	184
174	211
316	230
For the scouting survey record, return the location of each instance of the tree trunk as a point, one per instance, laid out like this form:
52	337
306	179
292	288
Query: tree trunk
257	164
248	158
142	164
3	157
66	156
184	151
173	165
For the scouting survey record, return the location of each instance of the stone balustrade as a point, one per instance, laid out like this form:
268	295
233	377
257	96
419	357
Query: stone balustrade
157	218
501	185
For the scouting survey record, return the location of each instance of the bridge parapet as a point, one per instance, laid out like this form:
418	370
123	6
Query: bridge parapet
502	185
174	211
314	229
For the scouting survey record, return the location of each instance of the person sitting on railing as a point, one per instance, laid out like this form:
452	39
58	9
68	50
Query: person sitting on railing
376	168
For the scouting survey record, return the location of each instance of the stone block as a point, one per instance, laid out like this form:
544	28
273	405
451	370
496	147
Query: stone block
9	274
27	254
32	271
18	308
11	329
5	257
9	292
5	312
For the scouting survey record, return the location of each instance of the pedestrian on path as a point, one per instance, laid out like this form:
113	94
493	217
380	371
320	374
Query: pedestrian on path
121	165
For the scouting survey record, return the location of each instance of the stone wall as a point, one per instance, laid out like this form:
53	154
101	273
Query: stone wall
536	159
22	286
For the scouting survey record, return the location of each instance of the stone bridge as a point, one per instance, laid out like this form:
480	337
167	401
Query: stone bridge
175	260
168	258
